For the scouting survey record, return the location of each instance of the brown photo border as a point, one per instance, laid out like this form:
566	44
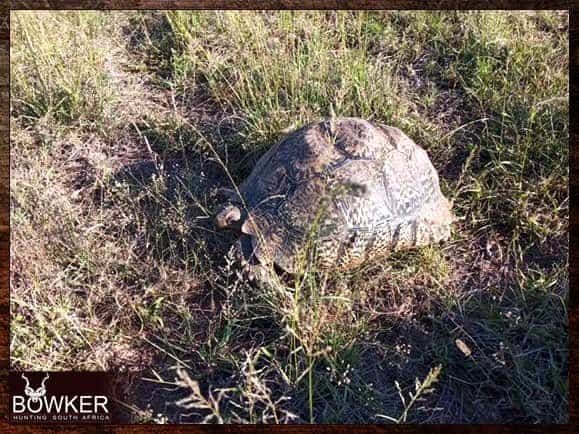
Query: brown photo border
7	5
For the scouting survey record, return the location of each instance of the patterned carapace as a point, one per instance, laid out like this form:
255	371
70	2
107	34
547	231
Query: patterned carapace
352	189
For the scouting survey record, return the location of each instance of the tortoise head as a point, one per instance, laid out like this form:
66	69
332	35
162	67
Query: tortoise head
229	217
232	217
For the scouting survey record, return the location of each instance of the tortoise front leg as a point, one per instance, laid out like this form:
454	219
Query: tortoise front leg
252	269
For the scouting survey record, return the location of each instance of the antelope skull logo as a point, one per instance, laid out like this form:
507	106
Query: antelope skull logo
33	394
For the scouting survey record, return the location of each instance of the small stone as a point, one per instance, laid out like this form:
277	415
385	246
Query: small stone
464	349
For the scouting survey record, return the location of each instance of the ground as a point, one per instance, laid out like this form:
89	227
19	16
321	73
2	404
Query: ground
125	124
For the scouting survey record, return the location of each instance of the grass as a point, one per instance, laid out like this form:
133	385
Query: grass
125	124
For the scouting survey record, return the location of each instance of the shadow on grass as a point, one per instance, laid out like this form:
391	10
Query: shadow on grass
478	304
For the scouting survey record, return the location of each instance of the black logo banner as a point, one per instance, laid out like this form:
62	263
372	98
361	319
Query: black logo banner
60	398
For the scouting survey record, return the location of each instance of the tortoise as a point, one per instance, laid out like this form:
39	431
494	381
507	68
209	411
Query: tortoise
357	189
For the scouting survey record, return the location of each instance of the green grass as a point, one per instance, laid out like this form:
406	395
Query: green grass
123	126
60	72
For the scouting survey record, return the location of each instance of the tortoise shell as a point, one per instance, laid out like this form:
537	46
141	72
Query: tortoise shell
353	189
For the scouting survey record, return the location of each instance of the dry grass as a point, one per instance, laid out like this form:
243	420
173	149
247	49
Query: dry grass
121	126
